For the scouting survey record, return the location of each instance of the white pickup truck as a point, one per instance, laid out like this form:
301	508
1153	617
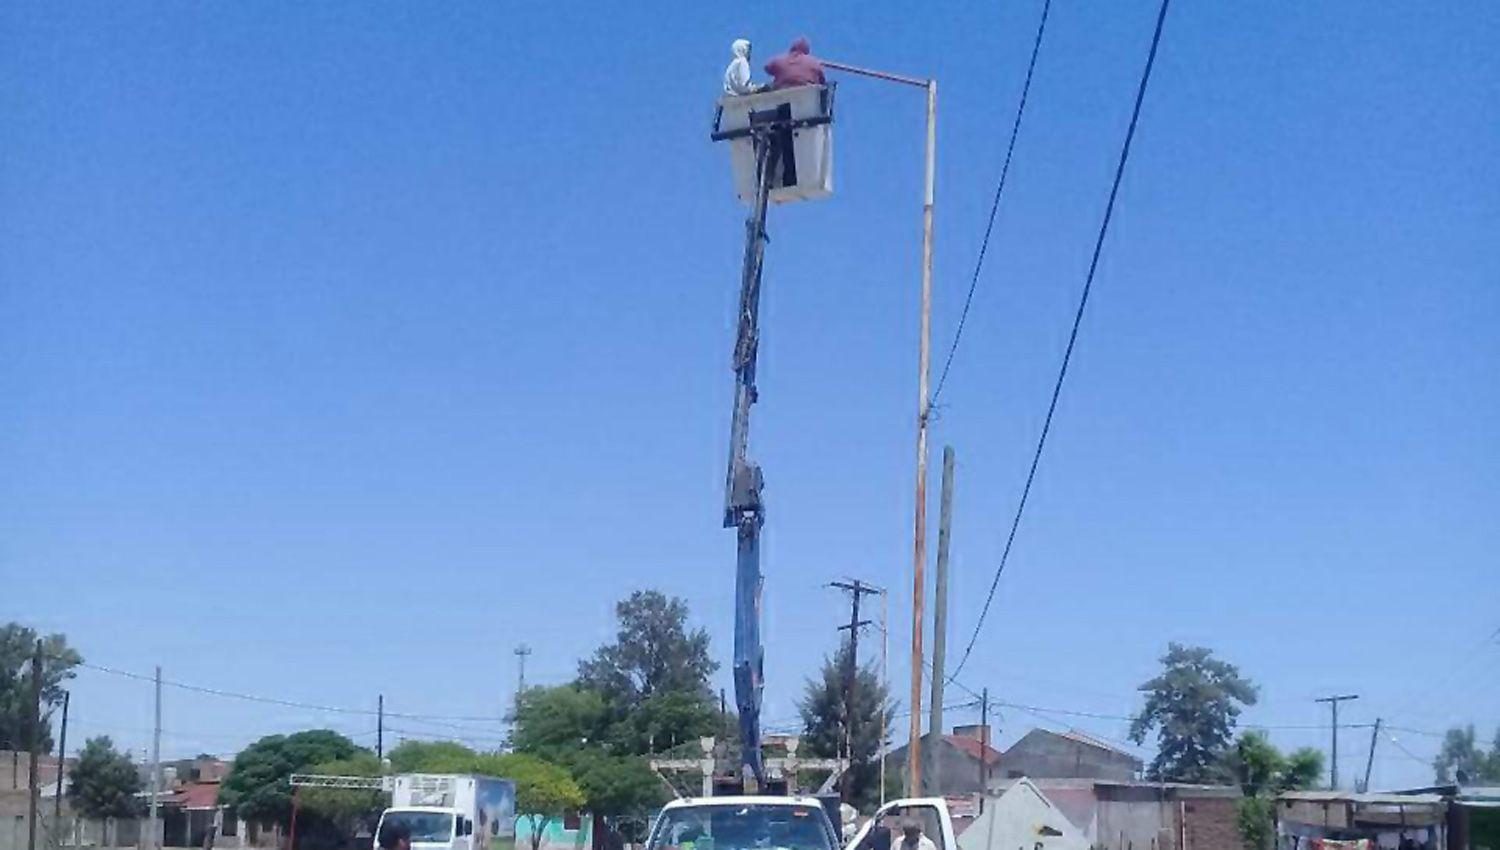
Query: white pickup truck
791	823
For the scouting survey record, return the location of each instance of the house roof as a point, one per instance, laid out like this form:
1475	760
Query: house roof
195	795
1081	738
972	747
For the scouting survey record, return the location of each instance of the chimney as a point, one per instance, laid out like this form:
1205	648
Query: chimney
975	731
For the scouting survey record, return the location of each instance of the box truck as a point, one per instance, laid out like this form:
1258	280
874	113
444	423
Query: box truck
447	811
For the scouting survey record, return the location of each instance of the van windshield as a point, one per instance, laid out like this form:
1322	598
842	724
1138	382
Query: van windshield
743	827
424	826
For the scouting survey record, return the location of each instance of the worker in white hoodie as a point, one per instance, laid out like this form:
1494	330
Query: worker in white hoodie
737	75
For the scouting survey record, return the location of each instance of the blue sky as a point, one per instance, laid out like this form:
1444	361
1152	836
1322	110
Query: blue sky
348	346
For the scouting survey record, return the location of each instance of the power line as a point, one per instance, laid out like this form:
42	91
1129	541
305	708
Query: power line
218	692
1062	374
984	245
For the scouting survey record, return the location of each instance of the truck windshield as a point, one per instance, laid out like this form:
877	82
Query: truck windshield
424	826
742	827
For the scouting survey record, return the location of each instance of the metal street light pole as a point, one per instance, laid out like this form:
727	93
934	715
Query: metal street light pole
924	409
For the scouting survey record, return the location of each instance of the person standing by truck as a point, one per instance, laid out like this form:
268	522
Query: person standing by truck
395	835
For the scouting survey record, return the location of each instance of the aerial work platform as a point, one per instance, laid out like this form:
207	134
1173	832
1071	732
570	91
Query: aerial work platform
803	121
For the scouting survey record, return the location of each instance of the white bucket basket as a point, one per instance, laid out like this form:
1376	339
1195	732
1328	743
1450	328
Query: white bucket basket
804	171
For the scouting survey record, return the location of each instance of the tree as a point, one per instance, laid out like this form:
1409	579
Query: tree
1263	772
103	782
1193	706
544	791
664	720
618	785
1462	760
653	652
257	782
824	724
555	723
17	648
431	757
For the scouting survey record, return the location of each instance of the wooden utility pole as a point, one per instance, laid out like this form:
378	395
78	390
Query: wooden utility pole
33	784
924	411
156	767
62	753
1370	760
940	597
1333	703
984	746
856	590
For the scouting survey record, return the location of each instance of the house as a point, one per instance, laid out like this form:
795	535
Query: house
1044	754
952	765
1137	815
1447	817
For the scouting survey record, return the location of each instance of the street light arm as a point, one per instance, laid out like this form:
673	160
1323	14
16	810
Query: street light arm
879	75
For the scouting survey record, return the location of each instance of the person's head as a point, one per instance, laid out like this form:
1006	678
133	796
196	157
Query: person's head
911	828
741	48
394	836
801	46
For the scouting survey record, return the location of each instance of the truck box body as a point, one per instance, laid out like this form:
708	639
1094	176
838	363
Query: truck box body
453	811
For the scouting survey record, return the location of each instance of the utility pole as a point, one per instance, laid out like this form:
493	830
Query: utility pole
156	765
940	597
380	727
857	589
924	409
62	753
33	784
984	746
522	652
885	680
1370	761
1333	703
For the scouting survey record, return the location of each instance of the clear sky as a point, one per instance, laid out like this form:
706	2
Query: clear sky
347	346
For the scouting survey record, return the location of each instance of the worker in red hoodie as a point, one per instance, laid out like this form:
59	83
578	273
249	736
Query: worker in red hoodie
796	67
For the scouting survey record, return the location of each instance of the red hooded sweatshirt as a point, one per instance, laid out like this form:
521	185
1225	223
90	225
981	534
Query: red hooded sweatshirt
796	67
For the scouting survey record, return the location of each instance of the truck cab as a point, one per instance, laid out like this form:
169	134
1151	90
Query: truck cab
883	831
433	827
743	823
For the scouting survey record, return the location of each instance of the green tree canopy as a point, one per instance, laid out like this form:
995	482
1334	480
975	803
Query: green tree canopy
571	727
1193	705
103	782
430	757
17	647
554	723
654	651
257	782
1263	772
1464	761
824	724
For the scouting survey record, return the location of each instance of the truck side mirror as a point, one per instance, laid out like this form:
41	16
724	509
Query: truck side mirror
468	827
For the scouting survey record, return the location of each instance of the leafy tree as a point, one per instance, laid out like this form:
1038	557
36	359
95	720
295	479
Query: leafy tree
1263	772
17	647
1462	760
103	782
257	782
1193	706
664	720
824	723
618	785
431	757
555	723
653	652
343	805
570	726
544	791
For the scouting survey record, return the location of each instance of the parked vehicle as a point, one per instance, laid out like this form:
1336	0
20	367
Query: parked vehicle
454	811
